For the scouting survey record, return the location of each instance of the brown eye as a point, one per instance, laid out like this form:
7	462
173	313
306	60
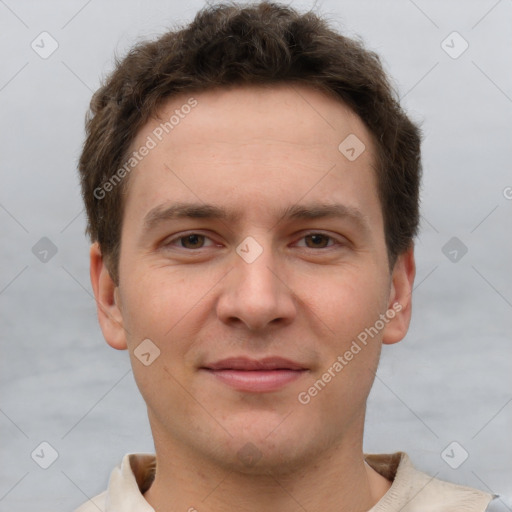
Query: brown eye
317	240
192	241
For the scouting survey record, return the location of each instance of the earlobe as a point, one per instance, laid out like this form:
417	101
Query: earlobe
400	298
106	295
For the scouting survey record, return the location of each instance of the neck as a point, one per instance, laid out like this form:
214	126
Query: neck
337	479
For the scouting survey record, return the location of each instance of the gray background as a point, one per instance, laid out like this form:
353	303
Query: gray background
449	380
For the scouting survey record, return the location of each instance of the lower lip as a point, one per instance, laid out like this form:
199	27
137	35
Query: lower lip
257	381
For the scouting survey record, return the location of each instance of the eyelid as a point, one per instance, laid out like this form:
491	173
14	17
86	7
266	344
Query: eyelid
176	238
338	240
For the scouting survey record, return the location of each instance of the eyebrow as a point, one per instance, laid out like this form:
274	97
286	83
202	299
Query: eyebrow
163	213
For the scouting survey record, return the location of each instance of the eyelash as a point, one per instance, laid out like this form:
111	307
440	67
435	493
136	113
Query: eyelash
311	233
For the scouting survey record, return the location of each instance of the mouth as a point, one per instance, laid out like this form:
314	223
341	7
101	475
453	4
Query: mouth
255	376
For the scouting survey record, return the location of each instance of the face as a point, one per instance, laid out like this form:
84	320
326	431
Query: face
253	258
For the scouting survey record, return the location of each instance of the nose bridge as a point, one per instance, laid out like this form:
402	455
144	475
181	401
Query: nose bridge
254	270
254	294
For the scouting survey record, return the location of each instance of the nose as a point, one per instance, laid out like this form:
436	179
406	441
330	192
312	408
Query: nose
256	294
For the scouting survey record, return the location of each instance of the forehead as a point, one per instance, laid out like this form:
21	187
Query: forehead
277	143
282	112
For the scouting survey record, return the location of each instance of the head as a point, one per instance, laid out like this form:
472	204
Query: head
251	185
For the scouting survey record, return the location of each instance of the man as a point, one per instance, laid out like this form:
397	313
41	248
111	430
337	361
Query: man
251	187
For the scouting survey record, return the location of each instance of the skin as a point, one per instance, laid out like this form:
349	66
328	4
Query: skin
256	151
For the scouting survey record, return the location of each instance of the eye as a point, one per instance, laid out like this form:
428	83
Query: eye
318	241
188	241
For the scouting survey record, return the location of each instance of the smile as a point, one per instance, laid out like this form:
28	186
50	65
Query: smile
248	375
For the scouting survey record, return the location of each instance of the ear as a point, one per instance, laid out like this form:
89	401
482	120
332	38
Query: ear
107	300
400	298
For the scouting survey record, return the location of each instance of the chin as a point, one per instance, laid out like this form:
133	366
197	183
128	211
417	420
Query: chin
264	458
263	446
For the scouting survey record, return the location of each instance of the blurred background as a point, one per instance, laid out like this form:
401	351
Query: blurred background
444	394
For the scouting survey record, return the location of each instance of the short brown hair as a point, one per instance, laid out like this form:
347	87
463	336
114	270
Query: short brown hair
261	43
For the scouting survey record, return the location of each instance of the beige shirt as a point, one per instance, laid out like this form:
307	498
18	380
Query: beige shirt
411	490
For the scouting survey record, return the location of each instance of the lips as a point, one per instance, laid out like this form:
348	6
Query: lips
256	376
244	363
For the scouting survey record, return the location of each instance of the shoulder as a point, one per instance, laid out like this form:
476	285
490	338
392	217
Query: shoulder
414	491
127	484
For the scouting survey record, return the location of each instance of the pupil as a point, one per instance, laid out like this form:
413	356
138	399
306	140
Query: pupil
192	239
317	239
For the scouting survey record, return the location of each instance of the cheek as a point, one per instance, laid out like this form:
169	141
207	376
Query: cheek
156	310
153	303
168	309
350	300
350	307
